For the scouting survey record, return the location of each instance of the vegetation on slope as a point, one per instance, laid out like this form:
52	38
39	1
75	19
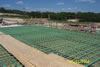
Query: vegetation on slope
83	16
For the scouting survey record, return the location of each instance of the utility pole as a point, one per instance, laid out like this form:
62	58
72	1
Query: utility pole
76	15
49	16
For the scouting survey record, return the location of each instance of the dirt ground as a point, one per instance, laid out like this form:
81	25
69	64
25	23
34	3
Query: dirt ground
13	20
32	57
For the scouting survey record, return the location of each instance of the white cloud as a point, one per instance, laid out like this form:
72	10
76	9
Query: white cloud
6	5
60	3
20	2
89	1
70	9
44	9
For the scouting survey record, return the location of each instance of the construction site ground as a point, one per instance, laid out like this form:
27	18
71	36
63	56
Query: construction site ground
32	57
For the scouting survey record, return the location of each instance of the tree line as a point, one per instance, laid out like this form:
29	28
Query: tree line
82	16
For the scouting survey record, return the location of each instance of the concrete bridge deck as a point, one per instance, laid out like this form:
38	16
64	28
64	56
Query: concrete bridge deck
32	57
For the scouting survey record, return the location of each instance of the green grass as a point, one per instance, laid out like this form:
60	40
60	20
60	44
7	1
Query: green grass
65	21
68	44
11	16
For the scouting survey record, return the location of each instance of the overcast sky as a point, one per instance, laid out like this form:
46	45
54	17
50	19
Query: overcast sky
53	5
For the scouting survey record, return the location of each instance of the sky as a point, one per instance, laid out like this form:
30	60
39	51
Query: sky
53	5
